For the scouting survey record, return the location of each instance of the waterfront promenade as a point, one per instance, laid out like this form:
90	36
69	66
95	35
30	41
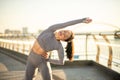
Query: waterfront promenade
97	57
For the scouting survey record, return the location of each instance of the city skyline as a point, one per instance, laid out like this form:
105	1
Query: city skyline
40	14
24	30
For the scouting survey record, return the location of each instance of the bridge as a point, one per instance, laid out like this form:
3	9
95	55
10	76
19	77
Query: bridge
97	57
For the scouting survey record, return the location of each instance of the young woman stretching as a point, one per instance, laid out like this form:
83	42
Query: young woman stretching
47	41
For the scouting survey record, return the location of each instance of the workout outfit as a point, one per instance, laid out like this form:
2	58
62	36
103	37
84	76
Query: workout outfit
48	43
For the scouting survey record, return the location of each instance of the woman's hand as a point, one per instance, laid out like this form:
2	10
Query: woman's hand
45	55
87	20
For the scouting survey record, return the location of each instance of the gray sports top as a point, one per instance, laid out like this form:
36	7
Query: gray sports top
48	41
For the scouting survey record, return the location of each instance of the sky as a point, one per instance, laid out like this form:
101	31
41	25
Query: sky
40	14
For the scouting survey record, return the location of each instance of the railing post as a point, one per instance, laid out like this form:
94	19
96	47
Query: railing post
30	47
23	48
110	51
86	45
9	45
0	44
98	49
17	47
4	44
13	46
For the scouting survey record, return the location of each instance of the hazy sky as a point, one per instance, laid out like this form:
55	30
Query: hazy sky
40	14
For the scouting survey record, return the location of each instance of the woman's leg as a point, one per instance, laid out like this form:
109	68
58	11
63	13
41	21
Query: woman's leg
30	69
45	70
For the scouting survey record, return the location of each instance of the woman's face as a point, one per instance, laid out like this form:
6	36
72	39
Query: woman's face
63	34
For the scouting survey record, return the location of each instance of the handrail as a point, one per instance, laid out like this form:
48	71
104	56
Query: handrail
2	35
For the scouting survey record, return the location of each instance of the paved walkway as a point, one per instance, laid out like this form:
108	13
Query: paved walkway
11	69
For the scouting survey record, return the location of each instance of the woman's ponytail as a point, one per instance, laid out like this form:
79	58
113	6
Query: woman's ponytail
70	50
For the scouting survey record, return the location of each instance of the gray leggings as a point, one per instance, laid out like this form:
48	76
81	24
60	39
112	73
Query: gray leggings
36	61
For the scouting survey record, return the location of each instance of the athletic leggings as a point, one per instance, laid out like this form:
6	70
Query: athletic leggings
36	61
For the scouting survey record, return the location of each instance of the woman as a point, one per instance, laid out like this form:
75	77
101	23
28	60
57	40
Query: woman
47	41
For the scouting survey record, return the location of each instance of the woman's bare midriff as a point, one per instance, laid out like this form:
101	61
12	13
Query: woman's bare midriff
38	50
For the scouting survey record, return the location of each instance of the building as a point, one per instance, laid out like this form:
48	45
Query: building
7	31
25	30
